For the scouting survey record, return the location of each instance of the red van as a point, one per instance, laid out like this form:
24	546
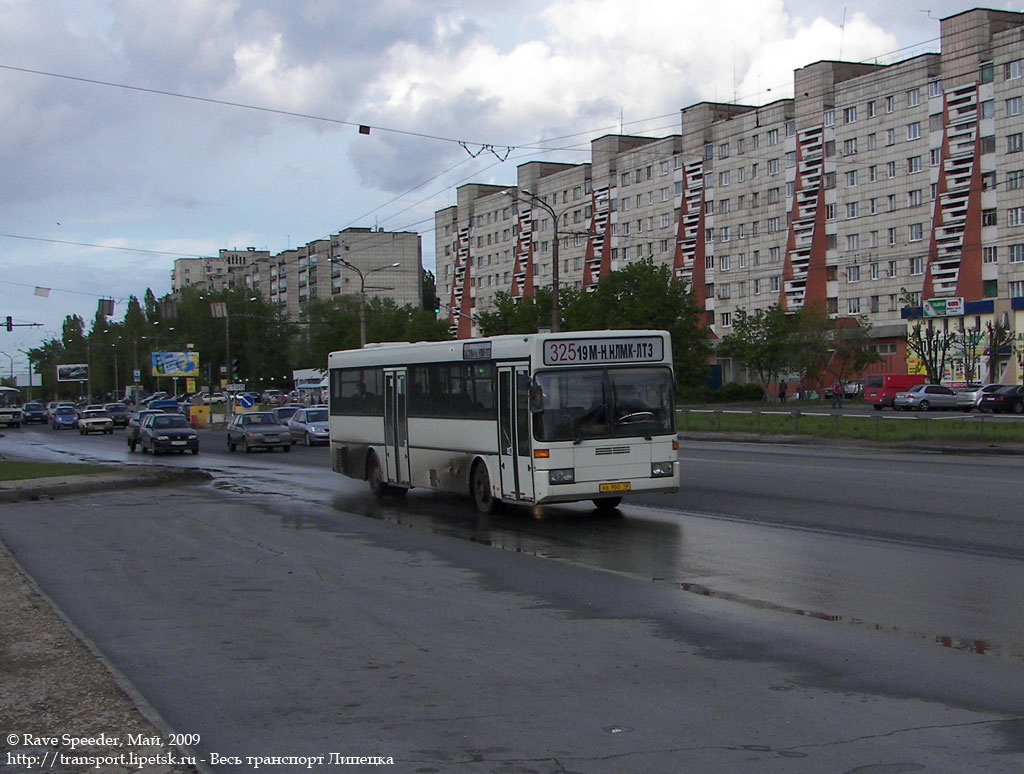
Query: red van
880	389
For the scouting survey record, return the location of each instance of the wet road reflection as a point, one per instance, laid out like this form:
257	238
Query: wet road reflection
955	599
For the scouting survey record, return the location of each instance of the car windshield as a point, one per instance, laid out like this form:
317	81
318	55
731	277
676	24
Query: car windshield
95	413
259	419
316	415
117	408
286	413
169	420
602	403
65	410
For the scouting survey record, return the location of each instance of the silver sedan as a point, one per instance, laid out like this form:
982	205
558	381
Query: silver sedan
925	397
310	426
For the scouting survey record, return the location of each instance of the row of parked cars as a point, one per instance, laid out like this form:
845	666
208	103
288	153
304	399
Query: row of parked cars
160	427
984	397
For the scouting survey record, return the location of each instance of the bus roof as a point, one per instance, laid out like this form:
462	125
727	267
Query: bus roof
506	347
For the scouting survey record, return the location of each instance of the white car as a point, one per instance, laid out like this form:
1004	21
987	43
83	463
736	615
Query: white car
970	398
95	420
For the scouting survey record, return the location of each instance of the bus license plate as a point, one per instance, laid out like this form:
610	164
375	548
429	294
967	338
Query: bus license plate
623	486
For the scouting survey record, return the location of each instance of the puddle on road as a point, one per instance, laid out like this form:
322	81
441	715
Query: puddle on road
953	599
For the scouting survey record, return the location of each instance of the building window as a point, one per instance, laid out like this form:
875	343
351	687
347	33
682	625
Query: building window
1015	216
1013	106
914	198
1015	180
723	150
852	210
913	165
1016	253
890	169
853	274
913	98
853	305
916	232
986	72
914	131
773	136
989	254
726	319
916	266
872	109
1012	70
774	254
935	88
776	283
851	178
989	217
1015	143
874	271
890	136
830	118
1016	289
850	115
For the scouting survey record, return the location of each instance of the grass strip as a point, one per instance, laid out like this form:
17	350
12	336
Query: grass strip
16	470
885	426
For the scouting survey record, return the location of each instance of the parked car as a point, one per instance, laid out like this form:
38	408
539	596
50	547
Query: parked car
33	412
310	426
166	405
880	389
163	433
155	396
286	412
1006	399
970	397
95	419
256	430
270	397
133	428
119	413
925	397
64	416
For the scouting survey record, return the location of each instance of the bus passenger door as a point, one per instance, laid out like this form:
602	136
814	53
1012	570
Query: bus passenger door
514	447
396	429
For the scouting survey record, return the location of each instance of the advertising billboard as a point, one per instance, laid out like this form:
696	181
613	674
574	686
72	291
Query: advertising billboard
175	363
73	372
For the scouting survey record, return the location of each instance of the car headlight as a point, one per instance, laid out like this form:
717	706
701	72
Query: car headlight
163	438
562	476
662	469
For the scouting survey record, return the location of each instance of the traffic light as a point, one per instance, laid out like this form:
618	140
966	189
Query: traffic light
10	323
236	367
437	304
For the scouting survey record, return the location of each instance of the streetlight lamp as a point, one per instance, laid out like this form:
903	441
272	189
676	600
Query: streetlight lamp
555	317
362	290
220	309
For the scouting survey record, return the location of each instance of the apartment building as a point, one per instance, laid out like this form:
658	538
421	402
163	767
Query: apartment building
352	261
874	184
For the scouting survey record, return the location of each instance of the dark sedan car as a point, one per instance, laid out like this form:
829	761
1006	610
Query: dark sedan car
1005	399
134	427
34	412
119	413
164	433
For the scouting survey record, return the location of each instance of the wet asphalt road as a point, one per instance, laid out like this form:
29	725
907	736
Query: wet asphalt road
250	609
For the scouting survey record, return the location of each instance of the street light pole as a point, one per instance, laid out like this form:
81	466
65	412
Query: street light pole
362	291
555	316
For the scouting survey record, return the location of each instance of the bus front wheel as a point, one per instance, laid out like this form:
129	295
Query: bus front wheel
481	487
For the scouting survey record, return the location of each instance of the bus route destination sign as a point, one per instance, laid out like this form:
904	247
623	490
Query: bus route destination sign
631	349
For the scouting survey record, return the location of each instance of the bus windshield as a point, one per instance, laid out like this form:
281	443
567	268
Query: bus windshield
9	397
573	405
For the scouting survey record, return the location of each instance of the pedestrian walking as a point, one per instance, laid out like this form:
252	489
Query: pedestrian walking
782	392
837	394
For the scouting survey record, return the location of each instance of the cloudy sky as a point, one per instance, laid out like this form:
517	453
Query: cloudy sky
137	131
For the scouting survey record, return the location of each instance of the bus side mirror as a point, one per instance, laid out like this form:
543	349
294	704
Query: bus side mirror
536	398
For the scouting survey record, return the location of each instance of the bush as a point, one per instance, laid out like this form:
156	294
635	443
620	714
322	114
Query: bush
730	393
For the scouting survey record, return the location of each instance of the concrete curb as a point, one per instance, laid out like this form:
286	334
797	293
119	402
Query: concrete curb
116	478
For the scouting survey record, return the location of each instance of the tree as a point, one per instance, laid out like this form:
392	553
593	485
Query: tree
1000	339
809	344
930	342
967	352
759	342
853	347
515	315
644	296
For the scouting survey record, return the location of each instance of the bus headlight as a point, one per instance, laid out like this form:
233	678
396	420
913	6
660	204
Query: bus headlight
661	469
562	476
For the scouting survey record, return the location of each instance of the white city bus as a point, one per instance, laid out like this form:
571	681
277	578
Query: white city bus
527	419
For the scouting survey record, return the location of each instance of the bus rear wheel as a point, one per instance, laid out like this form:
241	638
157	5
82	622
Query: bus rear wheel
480	485
375	476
